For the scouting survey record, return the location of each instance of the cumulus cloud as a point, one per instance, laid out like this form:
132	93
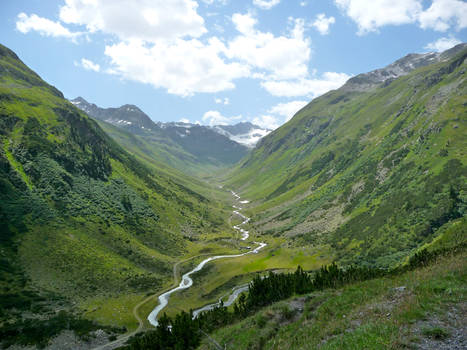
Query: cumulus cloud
284	57
442	14
311	87
370	15
322	23
216	118
184	120
170	52
88	65
137	19
267	122
287	110
43	26
183	67
442	44
266	4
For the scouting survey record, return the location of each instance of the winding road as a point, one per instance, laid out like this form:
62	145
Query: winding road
187	281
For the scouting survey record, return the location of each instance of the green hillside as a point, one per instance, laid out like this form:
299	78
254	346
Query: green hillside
423	308
80	217
370	171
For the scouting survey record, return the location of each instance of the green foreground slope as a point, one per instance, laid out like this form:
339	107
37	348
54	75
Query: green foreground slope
79	216
424	308
370	172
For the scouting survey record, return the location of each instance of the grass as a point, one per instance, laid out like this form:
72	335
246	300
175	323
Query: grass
114	311
220	276
376	314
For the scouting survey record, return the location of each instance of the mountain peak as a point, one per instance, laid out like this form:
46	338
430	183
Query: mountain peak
128	115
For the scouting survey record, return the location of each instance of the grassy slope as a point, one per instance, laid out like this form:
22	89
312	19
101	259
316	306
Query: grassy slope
166	157
99	222
422	307
160	149
373	174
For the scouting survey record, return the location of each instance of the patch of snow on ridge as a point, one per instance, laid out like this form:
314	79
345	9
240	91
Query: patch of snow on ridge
249	135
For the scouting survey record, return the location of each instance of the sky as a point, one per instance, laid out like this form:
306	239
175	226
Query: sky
220	61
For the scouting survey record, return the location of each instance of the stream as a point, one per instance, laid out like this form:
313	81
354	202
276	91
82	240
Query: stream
187	281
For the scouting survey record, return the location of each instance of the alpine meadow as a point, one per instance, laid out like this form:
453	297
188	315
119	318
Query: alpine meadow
222	174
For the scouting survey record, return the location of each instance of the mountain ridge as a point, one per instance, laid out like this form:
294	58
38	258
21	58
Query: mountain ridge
134	118
187	147
332	175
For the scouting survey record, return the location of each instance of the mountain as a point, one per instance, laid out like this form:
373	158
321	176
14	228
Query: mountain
370	171
245	133
399	68
82	221
129	116
188	147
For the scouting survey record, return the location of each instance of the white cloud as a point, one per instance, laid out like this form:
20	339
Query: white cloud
370	15
442	44
284	57
266	4
224	101
137	19
322	23
183	67
288	109
216	118
43	26
444	13
303	3
210	2
267	122
312	87
88	65
184	120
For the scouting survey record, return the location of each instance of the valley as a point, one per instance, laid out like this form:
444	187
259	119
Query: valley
123	231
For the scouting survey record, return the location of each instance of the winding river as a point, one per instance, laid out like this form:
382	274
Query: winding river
187	281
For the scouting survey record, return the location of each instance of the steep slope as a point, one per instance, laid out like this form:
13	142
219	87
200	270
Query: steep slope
372	169
79	216
187	147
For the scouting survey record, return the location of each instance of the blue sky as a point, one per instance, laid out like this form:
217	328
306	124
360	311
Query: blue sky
220	61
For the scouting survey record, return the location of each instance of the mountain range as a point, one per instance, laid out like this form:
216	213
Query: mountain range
188	147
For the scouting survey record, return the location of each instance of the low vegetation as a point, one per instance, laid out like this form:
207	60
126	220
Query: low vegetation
184	332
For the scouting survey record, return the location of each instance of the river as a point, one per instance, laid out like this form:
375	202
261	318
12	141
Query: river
187	281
